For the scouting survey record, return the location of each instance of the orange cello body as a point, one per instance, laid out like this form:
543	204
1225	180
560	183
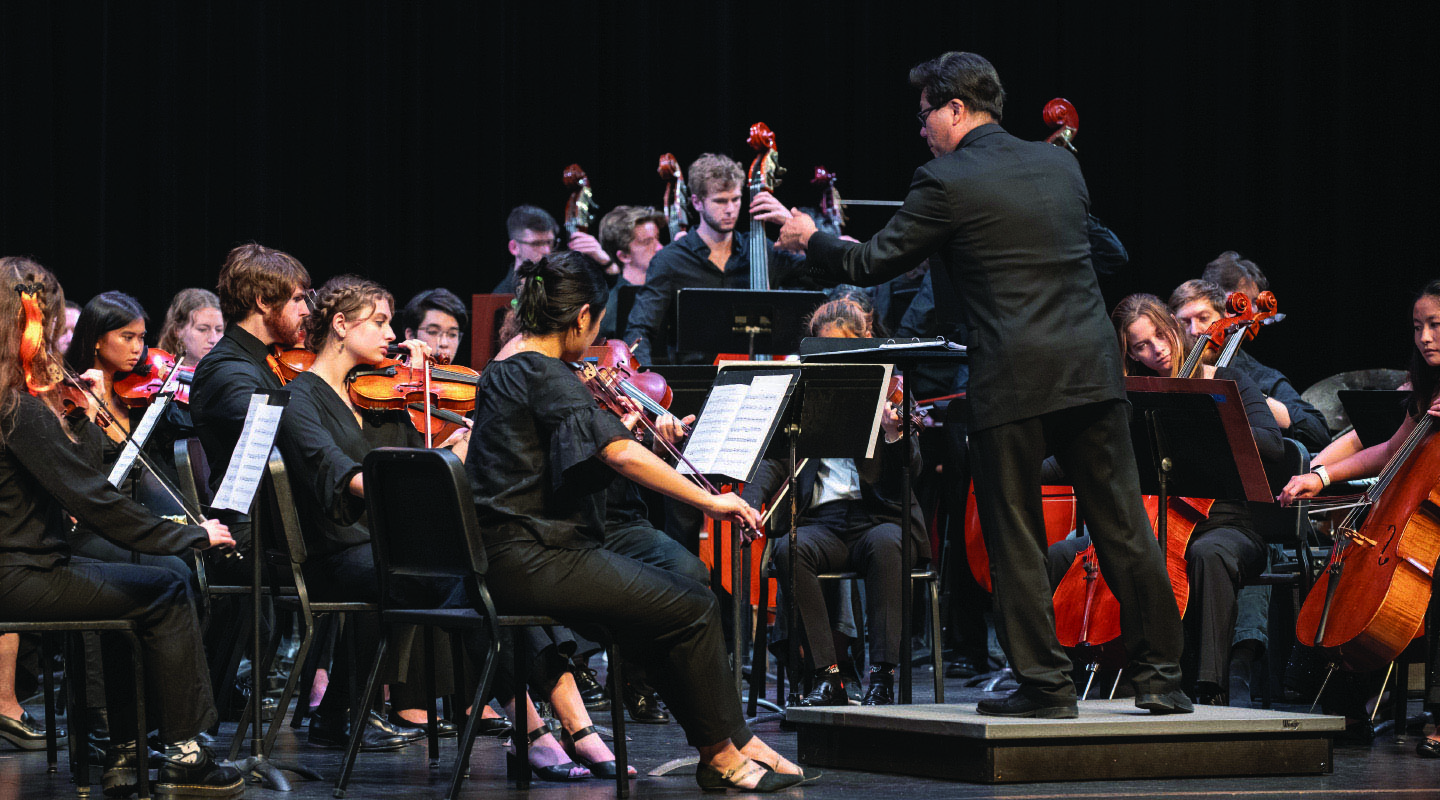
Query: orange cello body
1058	503
1382	581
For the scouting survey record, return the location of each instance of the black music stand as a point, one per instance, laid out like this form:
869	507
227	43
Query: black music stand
1375	413
905	354
1192	438
742	320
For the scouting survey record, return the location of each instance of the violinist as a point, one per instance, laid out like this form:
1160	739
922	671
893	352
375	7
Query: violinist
542	456
1044	372
1225	549
850	515
438	318
631	235
109	338
712	256
1346	460
193	324
1197	304
44	479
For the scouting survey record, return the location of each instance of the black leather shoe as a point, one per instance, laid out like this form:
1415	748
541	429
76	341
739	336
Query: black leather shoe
444	727
851	676
197	775
590	689
961	667
881	691
1018	704
397	727
324	733
1427	748
1172	702
829	691
121	777
499	727
643	705
24	733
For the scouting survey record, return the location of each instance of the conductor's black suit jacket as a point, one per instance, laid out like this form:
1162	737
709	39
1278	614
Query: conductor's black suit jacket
1006	219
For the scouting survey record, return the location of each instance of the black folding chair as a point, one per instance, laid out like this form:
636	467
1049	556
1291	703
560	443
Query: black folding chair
423	526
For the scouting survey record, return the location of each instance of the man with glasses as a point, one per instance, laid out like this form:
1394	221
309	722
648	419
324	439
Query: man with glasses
534	234
438	318
1005	220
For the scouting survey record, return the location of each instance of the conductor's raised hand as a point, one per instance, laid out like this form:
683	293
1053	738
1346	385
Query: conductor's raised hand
218	533
796	232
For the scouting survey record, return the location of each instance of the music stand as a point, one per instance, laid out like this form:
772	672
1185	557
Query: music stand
1375	413
742	320
907	355
487	314
1192	438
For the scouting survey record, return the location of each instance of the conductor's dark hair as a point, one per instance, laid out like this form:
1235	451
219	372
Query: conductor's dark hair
107	311
442	300
1424	379
966	77
554	289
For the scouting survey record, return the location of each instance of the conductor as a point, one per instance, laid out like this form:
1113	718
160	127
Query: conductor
1006	219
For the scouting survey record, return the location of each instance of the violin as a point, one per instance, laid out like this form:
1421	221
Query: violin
580	208
436	398
830	205
75	401
286	364
151	376
615	364
764	176
677	214
895	395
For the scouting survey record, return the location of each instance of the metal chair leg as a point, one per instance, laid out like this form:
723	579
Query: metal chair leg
617	721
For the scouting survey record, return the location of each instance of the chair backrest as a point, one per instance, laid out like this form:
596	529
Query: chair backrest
193	471
277	531
1275	523
422	517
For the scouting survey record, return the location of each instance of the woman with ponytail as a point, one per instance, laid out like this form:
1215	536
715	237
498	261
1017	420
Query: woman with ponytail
542	456
42	480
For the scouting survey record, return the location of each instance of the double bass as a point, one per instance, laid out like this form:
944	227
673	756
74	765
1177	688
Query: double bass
677	213
764	176
580	207
830	205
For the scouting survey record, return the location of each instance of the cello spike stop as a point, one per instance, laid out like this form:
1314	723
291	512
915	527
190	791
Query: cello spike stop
1329	671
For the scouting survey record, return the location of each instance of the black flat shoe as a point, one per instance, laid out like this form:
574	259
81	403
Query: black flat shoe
1172	702
557	773
324	733
643	705
24	733
600	769
444	727
499	727
1018	704
397	727
1427	748
711	779
829	691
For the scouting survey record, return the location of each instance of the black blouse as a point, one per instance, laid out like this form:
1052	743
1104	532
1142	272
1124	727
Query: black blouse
323	448
532	465
43	475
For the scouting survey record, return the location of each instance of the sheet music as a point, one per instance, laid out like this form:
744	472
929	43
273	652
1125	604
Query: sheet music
733	426
139	436
247	464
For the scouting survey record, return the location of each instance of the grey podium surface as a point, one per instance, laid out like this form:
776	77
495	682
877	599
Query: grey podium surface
1111	739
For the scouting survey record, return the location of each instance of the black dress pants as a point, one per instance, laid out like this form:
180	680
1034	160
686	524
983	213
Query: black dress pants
838	537
177	684
668	622
1092	445
1220	560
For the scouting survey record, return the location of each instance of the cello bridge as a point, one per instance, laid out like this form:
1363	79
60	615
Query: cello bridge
1354	536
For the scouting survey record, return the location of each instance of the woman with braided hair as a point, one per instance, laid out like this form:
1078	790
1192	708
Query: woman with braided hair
42	480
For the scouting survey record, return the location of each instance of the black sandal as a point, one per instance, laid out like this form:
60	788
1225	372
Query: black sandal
711	779
558	773
600	769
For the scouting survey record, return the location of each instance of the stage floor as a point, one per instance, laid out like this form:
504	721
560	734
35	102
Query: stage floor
1382	770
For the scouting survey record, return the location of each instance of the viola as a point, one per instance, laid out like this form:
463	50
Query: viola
677	215
148	379
830	205
580	208
764	176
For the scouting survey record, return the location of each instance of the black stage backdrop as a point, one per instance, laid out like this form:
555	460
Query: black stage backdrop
139	141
